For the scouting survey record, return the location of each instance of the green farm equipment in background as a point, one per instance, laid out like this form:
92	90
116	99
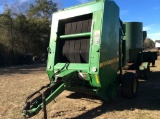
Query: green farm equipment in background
135	58
90	52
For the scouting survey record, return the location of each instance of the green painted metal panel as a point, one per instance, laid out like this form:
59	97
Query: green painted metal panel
95	82
133	37
109	52
73	66
95	43
75	35
65	73
134	34
34	111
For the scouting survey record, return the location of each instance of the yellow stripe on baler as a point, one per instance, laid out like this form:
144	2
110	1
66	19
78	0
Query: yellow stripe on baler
97	79
103	64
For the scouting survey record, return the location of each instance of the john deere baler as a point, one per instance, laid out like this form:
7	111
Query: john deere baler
84	54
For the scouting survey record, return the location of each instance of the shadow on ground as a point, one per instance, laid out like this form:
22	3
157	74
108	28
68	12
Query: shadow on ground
148	98
22	69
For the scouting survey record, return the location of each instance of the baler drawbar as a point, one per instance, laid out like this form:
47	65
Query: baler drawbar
33	106
39	99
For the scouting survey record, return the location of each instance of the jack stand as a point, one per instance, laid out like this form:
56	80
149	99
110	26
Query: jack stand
44	106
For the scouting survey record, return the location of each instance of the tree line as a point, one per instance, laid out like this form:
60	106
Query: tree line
25	31
25	34
148	43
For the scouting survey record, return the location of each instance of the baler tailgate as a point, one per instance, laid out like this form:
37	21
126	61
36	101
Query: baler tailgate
34	105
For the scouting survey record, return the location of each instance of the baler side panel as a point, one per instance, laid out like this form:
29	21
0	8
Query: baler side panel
109	59
95	48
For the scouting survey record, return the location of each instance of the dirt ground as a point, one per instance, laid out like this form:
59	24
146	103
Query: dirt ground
16	83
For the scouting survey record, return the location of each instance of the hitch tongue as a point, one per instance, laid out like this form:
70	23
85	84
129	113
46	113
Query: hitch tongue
34	105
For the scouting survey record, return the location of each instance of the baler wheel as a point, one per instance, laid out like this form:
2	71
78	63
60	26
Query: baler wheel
129	85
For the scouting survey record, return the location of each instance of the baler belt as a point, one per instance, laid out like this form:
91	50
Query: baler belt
85	26
84	41
67	28
66	46
66	49
77	45
89	25
83	49
87	49
71	51
79	27
88	40
73	28
76	50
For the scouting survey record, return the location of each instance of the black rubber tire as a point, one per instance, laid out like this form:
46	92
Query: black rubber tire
129	85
